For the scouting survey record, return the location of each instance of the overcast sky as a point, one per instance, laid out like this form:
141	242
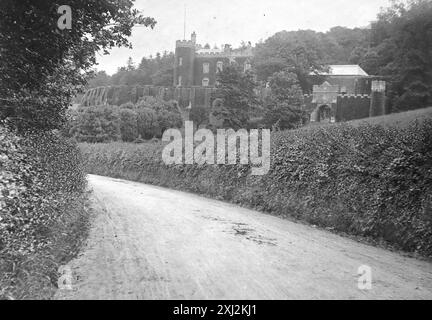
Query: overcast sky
231	21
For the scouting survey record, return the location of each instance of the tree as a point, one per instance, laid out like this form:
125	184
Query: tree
199	115
47	66
235	90
128	124
97	124
147	122
402	46
167	115
349	42
130	65
283	106
300	52
99	79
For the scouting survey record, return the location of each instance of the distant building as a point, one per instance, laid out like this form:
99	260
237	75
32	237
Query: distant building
351	79
346	92
195	66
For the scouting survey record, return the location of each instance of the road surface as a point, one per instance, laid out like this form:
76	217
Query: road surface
148	242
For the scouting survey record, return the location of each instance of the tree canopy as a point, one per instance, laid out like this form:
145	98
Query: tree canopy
401	50
42	66
235	91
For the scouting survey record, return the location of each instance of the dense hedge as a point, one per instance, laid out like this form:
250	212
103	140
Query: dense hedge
148	118
42	203
365	180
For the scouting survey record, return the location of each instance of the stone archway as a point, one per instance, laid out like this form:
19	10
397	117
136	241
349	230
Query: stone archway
324	113
325	100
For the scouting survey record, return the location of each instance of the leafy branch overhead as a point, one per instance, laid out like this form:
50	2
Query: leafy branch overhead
42	57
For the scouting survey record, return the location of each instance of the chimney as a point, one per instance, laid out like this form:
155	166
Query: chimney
193	37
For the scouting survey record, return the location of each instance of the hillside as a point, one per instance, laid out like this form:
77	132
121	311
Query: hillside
400	119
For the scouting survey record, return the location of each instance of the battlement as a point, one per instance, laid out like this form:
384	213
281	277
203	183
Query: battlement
212	54
344	96
353	96
185	44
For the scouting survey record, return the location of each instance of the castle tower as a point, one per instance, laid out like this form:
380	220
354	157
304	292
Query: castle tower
184	61
378	98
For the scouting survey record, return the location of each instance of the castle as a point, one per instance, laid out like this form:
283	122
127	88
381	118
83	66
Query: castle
345	92
197	66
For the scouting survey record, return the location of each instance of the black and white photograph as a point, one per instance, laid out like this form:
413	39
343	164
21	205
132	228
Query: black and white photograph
215	155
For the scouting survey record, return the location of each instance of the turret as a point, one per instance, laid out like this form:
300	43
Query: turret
378	98
184	61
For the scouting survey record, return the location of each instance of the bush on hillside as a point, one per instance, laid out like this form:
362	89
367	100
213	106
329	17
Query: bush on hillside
147	122
149	117
97	124
128	125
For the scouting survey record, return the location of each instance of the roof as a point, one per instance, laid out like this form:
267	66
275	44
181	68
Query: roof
346	70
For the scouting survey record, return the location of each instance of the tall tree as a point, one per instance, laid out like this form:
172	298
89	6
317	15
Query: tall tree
99	79
283	106
401	51
300	52
42	66
235	91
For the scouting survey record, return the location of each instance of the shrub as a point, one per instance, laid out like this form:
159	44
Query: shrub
148	118
147	122
127	105
41	204
97	124
235	90
128	125
366	180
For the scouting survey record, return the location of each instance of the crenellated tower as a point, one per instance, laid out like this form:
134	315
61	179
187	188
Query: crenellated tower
184	62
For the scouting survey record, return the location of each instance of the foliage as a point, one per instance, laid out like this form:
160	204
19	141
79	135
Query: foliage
98	79
97	124
156	71
46	66
369	181
41	203
199	115
235	90
283	106
400	49
147	122
299	52
128	124
147	118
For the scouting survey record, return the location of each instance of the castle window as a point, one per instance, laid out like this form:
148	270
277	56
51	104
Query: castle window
180	61
206	67
205	82
219	66
180	81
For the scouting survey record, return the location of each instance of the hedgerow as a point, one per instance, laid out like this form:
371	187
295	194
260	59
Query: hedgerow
42	208
366	180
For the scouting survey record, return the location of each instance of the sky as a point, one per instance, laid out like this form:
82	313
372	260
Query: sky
231	21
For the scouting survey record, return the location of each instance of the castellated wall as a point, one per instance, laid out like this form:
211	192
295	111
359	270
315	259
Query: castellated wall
117	95
348	107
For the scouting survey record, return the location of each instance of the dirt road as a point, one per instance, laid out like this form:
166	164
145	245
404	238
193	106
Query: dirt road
148	242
